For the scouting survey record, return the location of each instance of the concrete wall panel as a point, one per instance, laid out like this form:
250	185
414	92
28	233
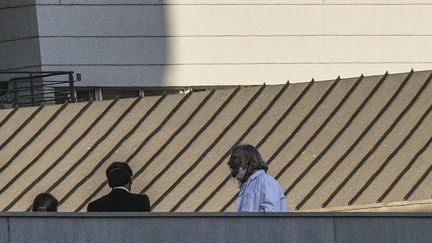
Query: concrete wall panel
4	230
118	227
21	53
372	229
239	20
18	23
126	39
238	229
234	50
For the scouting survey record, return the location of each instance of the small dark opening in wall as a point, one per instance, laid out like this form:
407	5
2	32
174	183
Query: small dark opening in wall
85	95
110	94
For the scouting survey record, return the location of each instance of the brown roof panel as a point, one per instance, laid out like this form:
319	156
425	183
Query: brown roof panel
52	164
201	159
328	143
371	140
258	106
404	184
6	114
169	129
13	154
324	88
182	159
23	176
12	126
356	112
402	143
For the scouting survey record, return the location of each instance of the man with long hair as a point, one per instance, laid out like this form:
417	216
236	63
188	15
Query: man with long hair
259	192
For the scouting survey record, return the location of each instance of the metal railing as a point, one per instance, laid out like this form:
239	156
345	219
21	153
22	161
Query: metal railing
35	88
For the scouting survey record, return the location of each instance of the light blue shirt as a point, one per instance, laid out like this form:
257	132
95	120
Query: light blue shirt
261	193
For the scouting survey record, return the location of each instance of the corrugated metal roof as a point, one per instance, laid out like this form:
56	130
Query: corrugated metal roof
332	143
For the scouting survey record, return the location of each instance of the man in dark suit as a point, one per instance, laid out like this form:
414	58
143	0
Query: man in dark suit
119	176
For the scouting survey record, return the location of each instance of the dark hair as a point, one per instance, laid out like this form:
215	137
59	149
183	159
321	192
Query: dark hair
118	174
251	158
45	202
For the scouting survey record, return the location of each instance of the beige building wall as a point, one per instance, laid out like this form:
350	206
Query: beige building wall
255	41
216	42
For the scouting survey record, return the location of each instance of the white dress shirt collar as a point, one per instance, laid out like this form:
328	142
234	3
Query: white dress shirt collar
121	187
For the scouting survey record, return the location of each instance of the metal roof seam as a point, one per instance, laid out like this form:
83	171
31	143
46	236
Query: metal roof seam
52	118
340	160
168	141
95	145
299	127
252	126
67	151
24	146
341	185
218	138
409	165
138	124
329	145
9	115
351	148
214	167
387	191
396	94
27	121
60	134
55	115
286	113
425	174
371	124
276	125
198	133
154	132
305	146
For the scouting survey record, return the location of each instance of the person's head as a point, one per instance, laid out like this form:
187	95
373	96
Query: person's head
244	161
119	174
45	202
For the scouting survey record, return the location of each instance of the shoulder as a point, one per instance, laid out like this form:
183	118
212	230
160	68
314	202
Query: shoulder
96	204
142	202
138	196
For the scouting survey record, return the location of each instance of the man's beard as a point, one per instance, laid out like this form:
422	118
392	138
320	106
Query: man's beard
234	171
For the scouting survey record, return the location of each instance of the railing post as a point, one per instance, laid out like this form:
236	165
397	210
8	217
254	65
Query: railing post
32	89
15	92
72	88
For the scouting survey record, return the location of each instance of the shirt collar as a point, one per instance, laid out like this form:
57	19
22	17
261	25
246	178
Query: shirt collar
121	187
254	176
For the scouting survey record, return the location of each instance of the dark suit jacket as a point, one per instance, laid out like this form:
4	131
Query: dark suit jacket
119	200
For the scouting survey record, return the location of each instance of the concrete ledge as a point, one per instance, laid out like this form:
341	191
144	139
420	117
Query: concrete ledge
215	227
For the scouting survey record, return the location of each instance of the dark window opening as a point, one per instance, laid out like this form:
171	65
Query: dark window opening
110	94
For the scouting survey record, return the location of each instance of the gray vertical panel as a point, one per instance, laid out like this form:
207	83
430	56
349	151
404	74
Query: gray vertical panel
19	53
383	229
83	35
16	3
4	234
17	23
